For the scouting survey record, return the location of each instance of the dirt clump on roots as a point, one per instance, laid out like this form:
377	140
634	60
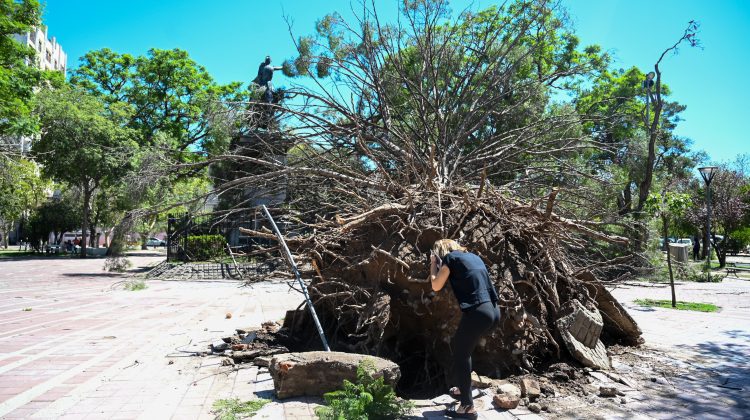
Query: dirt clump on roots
370	290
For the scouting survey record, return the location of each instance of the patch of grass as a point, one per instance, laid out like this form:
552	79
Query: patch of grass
10	253
135	285
15	253
233	408
686	306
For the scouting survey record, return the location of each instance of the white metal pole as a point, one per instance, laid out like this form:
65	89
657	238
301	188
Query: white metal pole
290	259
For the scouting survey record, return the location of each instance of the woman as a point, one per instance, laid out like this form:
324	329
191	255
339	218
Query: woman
478	301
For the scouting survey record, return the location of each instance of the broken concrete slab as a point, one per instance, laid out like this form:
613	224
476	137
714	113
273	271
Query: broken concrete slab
580	329
317	372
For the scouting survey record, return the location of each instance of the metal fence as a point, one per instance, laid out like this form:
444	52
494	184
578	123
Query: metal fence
182	226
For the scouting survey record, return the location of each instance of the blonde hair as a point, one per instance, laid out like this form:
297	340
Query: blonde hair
444	246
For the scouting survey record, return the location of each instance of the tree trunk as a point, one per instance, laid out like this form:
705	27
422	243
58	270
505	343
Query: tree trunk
92	236
721	251
624	201
85	223
665	224
144	238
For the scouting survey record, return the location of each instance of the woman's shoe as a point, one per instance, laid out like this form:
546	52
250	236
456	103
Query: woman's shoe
465	414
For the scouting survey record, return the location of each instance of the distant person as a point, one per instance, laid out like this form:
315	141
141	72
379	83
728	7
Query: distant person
696	248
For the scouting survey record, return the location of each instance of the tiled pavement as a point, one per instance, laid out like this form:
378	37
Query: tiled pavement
72	346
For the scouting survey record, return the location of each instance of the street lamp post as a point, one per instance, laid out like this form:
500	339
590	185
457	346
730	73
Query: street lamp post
708	172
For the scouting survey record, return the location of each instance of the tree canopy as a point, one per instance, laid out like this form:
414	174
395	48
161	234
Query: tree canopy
83	142
168	94
18	72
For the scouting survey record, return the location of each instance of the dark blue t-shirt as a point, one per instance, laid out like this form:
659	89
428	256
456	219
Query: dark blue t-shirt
469	279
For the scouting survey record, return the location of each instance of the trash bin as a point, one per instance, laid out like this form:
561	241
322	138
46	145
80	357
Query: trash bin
680	252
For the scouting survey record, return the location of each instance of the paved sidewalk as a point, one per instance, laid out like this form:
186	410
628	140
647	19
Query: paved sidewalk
73	347
709	351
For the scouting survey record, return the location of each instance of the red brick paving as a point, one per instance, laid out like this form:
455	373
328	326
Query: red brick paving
88	350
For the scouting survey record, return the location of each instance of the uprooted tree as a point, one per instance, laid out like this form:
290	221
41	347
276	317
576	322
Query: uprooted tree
425	129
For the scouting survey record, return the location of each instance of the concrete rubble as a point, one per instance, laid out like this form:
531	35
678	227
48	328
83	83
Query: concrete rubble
317	372
580	329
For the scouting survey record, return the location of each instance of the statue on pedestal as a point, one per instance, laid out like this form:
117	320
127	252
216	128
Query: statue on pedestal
265	74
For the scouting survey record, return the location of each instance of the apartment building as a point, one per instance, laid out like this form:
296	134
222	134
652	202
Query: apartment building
49	54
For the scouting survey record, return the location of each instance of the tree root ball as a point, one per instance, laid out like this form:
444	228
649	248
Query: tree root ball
370	291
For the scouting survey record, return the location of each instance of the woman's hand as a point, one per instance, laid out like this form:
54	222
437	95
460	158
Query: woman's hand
438	273
438	262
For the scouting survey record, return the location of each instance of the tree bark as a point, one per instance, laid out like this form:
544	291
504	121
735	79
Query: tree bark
85	222
665	224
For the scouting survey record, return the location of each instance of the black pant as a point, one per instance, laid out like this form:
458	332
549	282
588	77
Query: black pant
474	323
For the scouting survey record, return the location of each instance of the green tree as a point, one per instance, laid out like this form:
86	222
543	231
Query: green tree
83	143
443	101
629	115
730	195
21	190
668	207
168	93
179	113
18	73
57	216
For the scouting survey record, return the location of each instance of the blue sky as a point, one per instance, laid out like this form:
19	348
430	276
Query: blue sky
231	37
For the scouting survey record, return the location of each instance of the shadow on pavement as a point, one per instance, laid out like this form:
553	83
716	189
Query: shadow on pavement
148	253
731	361
640	308
28	257
92	274
721	386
